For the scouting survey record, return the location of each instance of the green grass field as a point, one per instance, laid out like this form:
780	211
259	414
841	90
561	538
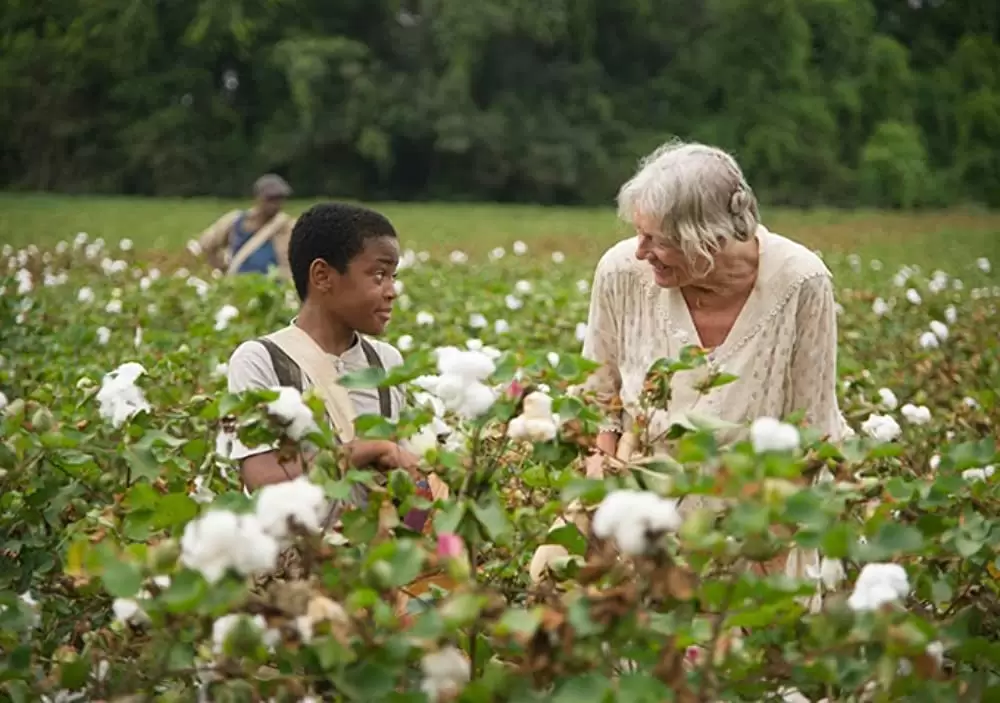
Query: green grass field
164	225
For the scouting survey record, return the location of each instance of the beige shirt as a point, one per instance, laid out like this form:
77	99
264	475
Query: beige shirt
250	368
218	235
783	345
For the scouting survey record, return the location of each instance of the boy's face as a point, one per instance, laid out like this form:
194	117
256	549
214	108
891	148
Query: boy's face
362	297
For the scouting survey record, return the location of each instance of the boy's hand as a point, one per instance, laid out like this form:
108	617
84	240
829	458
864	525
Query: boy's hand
395	457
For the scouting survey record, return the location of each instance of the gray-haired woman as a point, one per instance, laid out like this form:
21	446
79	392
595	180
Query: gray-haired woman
702	270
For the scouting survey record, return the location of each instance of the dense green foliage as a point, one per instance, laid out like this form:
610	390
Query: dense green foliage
102	596
885	102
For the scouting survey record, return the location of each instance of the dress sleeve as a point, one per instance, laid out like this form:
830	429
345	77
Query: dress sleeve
813	377
601	344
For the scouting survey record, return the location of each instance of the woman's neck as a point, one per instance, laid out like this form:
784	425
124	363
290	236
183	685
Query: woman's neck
332	337
731	280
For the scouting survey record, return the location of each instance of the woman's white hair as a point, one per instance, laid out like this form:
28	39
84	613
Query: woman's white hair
697	194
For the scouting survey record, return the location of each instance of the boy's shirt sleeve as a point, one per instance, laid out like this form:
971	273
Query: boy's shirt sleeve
250	368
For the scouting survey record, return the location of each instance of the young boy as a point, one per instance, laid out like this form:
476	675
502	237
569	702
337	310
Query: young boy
343	261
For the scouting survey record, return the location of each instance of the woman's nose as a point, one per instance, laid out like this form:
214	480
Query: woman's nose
642	250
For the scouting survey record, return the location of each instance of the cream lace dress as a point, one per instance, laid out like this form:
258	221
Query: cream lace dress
783	348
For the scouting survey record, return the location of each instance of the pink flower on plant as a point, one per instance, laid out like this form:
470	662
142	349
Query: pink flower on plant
515	389
450	546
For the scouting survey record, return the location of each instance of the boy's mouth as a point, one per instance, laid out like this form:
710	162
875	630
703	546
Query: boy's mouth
383	315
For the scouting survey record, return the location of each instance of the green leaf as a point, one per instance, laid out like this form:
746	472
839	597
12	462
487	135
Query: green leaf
568	536
184	593
121	579
174	509
374	426
73	674
449	517
589	688
493	520
642	688
519	622
142	464
894	538
371	377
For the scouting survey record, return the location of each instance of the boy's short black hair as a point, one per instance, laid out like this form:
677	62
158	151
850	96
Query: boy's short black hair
334	232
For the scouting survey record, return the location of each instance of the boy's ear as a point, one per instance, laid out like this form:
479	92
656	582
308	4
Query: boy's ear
321	276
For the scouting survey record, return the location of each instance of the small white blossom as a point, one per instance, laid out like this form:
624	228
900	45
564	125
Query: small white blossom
103	335
882	428
501	327
939	329
194	247
978	474
477	321
916	414
770	435
497	253
983	264
880	307
220	370
127	610
519	248
929	340
888	398
223	317
552	358
424	318
405	343
85	295
950	314
397	287
583	286
523	287
513	302
913	296
635	519
935	462
125	245
113	307
558	257
24	281
458	257
581	331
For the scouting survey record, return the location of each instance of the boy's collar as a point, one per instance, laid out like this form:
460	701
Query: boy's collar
355	341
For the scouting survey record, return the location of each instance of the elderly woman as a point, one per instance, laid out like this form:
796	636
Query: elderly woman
702	270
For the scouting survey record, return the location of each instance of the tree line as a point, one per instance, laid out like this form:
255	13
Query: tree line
889	103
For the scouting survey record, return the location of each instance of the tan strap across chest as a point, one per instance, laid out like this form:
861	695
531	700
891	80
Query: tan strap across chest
321	371
259	238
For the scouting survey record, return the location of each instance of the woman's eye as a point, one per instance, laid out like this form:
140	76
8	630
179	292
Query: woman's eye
380	276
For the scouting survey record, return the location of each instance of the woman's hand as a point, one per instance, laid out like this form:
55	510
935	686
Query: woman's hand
395	457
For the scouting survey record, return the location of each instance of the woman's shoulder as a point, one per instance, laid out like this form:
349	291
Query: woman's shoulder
790	263
619	260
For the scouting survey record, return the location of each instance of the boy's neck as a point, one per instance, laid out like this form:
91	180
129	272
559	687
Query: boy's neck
333	338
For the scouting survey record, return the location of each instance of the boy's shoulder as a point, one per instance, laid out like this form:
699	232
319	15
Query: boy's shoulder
389	354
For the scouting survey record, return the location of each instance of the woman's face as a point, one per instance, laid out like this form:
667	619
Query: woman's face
670	266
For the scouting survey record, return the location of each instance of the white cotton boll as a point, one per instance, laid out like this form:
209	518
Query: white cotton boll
446	673
497	253
201	493
935	462
300	501
916	414
145	282
519	248
194	247
424	318
792	695
970	402
888	398
458	257
103	335
552	358
127	611
770	435
125	245
983	264
558	257
423	441
225	314
950	314
471	365
877	585
224	626
880	307
513	302
532	429
220	370
119	399
978	474
220	540
114	307
939	329
477	321
405	343
881	428
913	296
291	410
928	340
633	518
523	287
474	344
137	338
477	400
3	401
581	331
200	286
501	327
85	295
24	282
